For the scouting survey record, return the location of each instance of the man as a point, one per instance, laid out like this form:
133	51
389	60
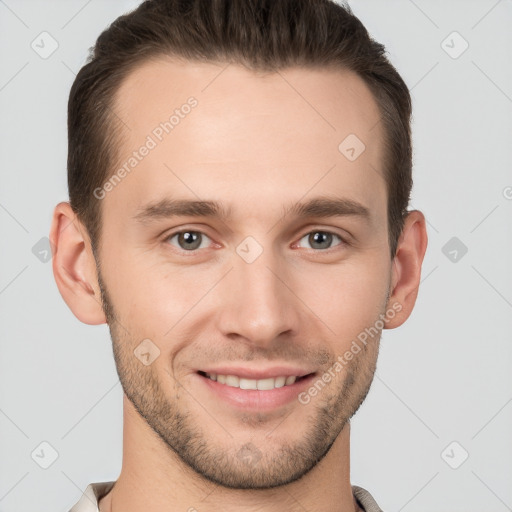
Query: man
239	174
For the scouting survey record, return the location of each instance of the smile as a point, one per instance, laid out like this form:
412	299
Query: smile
260	384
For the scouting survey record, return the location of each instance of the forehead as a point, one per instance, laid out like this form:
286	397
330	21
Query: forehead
267	135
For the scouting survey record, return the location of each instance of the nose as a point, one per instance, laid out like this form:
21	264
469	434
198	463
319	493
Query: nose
257	304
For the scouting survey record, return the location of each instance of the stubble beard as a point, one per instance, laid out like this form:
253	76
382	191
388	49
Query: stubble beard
245	466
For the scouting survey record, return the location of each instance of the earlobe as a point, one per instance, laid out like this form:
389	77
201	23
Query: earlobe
406	272
74	267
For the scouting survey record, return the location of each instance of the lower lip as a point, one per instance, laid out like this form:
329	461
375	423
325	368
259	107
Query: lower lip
254	399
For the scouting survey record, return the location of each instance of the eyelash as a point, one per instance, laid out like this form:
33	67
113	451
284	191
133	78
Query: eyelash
193	252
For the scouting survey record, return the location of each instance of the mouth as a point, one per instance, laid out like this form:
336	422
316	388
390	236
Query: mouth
252	394
266	384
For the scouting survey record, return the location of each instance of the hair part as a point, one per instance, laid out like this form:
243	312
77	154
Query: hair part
262	35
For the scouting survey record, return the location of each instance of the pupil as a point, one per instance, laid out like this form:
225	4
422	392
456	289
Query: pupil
322	239
191	240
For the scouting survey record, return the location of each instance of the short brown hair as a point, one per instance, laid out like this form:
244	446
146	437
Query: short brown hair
266	35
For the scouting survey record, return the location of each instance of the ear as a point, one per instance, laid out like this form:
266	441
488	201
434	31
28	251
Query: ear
406	268
74	267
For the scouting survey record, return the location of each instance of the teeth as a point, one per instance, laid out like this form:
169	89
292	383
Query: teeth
260	384
280	382
247	384
232	380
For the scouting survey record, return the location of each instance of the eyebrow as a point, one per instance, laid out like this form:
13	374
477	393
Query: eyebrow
167	208
322	207
329	207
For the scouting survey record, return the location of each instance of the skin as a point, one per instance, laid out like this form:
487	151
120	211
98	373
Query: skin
256	145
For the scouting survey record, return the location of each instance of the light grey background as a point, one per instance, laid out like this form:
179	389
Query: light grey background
443	376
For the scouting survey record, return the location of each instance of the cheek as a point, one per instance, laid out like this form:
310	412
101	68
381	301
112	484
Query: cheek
158	301
351	297
155	300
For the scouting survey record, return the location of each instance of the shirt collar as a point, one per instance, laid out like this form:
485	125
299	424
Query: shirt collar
91	497
95	491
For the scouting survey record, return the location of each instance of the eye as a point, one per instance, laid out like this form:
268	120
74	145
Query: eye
188	240
321	239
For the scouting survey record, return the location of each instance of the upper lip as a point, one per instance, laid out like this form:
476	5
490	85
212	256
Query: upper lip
255	373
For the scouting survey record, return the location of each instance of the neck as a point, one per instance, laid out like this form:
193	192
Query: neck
153	478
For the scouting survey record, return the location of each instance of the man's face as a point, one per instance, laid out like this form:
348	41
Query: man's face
261	293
